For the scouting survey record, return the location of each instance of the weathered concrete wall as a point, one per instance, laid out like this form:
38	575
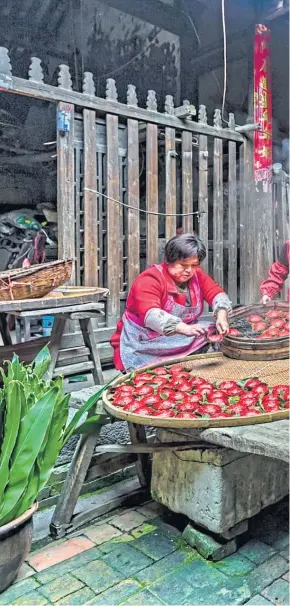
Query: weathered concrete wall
112	44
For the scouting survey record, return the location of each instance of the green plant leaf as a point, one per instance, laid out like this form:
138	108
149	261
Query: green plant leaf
52	443
242	382
32	431
2	416
82	410
29	496
41	362
163	396
93	425
14	396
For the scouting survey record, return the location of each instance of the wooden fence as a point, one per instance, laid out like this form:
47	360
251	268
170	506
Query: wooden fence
128	177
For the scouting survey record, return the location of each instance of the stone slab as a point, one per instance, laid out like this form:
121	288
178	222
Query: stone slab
207	546
216	489
267	439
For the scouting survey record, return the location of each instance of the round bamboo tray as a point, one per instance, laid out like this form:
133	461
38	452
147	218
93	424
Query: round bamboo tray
240	348
214	367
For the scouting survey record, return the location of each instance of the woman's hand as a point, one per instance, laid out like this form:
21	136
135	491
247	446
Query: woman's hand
265	299
190	330
222	324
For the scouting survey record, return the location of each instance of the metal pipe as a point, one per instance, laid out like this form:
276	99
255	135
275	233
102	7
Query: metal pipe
247	128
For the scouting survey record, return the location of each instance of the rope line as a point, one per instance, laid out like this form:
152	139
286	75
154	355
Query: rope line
141	210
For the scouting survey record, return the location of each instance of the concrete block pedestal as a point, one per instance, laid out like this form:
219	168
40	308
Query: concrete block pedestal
218	489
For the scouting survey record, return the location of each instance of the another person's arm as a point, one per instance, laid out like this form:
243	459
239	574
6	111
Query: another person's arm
278	273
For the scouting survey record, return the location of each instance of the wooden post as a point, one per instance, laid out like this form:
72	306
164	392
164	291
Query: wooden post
187	179
65	189
218	207
91	265
248	211
232	218
133	191
113	213
152	184
170	173
143	465
203	188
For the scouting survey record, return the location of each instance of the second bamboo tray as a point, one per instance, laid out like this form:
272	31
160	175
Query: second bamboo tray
240	348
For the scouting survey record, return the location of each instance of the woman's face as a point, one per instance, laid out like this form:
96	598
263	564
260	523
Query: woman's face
183	270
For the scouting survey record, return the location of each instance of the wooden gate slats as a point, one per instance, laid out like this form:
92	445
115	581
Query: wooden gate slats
65	189
170	173
218	207
91	248
151	184
187	178
232	218
203	189
133	191
114	270
248	255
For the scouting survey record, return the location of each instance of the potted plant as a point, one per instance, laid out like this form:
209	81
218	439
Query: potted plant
33	430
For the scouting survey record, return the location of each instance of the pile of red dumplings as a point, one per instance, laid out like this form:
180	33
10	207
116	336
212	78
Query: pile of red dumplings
178	392
273	325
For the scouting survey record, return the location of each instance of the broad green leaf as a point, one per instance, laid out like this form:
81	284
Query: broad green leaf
46	459
50	451
14	397
29	496
93	425
31	434
41	362
82	410
2	416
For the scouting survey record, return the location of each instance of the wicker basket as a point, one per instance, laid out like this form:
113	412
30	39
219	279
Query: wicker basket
240	348
34	282
214	367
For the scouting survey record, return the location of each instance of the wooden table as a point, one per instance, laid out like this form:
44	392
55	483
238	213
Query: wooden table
82	308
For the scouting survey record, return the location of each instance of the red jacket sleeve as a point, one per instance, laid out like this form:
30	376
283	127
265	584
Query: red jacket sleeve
209	288
146	293
276	277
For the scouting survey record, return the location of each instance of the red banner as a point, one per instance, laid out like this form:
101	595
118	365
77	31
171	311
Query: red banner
262	107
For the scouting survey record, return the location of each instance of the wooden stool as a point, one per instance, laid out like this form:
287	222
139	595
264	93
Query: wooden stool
84	315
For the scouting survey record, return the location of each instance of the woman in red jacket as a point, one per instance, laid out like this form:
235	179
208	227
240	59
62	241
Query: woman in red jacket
277	275
164	305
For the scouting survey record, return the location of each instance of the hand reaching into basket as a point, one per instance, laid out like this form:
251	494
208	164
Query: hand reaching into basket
222	324
265	299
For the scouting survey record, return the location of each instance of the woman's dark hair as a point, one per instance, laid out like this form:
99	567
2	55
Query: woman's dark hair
184	246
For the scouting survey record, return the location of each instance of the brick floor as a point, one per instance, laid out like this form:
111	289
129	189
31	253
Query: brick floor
137	558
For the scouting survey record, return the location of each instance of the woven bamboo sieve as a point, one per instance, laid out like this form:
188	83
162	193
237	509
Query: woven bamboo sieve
240	348
214	367
34	282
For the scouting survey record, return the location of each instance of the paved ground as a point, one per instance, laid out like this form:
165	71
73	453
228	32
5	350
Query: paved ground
137	558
